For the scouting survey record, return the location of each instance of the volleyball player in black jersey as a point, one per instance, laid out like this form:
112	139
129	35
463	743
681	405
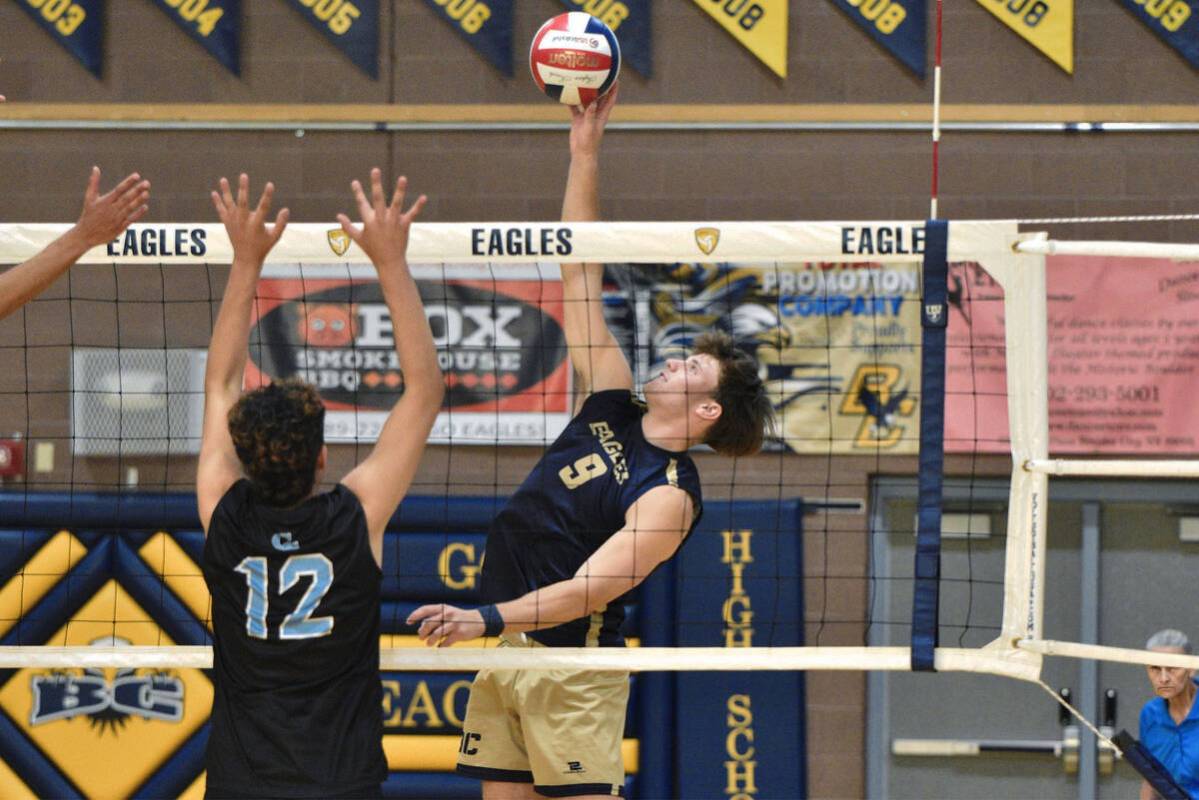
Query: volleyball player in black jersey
295	576
612	498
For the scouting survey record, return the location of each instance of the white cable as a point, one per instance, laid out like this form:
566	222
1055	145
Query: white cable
1011	663
1049	247
1078	715
1088	220
1115	468
1096	652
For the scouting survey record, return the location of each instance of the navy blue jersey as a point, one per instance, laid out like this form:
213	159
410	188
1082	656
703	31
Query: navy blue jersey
298	709
572	502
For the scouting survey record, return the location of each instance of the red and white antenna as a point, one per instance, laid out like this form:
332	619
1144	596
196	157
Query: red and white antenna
936	116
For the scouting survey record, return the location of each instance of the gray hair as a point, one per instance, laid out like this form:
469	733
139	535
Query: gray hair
1169	638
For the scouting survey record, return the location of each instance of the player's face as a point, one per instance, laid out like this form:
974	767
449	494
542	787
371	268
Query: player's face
685	381
1169	682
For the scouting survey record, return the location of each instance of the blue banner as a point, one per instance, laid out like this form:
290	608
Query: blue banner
352	26
78	26
629	20
897	25
215	24
1176	22
740	584
486	24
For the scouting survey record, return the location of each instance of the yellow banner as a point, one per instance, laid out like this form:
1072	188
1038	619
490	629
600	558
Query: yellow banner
1047	24
760	26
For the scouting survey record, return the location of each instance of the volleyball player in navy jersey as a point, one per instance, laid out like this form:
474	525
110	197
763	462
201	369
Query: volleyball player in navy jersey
612	498
295	576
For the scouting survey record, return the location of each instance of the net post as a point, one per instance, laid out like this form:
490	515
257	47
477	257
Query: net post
1023	279
934	317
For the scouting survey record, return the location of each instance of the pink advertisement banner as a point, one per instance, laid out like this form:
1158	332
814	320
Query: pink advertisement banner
1123	339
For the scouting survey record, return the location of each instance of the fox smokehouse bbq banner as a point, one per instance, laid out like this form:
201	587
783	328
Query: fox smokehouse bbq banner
500	345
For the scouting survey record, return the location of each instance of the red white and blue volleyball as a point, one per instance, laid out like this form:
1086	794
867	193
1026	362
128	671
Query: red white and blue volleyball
575	58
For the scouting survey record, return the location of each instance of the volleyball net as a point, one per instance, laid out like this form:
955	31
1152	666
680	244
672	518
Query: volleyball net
101	397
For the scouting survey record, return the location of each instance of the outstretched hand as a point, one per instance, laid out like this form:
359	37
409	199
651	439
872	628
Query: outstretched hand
248	232
442	625
385	226
104	217
587	124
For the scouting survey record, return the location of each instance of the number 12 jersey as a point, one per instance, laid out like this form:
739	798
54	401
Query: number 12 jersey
298	706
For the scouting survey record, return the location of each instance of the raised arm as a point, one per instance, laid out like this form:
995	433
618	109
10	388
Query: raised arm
103	218
252	239
654	528
381	480
595	354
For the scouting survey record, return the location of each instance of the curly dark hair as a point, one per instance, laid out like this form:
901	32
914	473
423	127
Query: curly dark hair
278	431
746	413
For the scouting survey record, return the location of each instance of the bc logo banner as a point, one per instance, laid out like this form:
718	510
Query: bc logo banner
215	24
1174	23
897	25
486	24
629	20
351	25
76	25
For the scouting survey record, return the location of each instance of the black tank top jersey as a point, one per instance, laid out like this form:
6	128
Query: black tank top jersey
298	709
572	502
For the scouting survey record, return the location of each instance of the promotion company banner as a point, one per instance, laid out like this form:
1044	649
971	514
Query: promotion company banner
898	25
215	24
499	340
1123	358
1046	24
1174	21
759	25
630	21
486	24
839	343
77	25
351	25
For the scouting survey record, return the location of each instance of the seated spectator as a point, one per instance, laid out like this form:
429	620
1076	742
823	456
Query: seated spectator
1170	721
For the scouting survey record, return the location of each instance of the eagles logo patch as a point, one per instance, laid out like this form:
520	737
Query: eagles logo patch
707	239
339	242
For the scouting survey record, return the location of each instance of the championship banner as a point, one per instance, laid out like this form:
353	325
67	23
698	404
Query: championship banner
215	24
1047	24
486	25
898	25
840	342
77	25
630	21
1174	22
759	25
353	27
500	345
1123	358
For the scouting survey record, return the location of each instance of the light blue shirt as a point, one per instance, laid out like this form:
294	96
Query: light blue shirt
1176	746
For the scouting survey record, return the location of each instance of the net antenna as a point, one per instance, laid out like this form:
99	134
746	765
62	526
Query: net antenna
936	132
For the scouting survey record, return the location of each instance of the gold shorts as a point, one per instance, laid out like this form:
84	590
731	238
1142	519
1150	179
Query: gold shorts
560	730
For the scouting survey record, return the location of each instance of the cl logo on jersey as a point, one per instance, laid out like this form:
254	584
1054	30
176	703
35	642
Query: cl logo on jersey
282	541
707	239
339	242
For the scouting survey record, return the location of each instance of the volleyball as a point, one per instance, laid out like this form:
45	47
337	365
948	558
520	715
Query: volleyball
575	58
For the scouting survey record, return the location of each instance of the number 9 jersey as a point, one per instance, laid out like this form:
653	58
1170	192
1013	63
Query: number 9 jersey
298	706
572	502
